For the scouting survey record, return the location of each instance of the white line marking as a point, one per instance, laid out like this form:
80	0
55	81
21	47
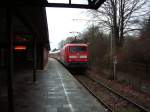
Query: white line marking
68	100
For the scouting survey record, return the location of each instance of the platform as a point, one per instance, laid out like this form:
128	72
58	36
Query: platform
55	90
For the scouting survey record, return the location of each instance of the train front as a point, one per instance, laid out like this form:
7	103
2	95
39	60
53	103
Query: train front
77	55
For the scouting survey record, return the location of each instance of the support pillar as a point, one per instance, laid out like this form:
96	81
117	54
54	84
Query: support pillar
9	35
34	58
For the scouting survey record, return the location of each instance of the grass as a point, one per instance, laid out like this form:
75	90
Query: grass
128	109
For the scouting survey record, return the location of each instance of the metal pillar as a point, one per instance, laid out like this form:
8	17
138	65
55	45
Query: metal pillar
69	1
34	58
114	67
9	35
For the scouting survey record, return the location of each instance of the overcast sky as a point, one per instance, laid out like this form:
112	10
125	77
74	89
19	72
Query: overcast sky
61	21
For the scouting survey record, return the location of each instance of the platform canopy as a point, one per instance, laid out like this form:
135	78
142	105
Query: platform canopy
88	4
31	15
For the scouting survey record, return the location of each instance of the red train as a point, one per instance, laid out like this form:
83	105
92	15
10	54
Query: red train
75	55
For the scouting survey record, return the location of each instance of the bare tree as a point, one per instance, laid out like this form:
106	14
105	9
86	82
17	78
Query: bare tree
98	44
120	17
61	43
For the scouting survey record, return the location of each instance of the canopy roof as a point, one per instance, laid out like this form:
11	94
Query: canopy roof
89	4
31	15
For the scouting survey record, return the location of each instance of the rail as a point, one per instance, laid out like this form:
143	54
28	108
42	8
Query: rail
98	99
118	94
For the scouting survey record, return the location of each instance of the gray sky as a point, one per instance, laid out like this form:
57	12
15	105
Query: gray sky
61	22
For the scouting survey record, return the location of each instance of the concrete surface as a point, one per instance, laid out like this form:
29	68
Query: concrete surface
54	91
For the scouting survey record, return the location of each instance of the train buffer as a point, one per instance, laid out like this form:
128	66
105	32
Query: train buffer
55	90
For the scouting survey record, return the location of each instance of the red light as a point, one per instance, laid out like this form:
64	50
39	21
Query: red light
20	47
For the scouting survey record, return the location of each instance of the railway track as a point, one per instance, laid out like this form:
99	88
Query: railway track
112	100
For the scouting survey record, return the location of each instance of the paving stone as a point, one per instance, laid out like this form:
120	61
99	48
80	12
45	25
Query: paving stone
55	90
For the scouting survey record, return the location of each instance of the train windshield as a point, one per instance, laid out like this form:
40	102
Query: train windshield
75	49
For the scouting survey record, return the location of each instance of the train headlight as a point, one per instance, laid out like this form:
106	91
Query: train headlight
72	57
83	56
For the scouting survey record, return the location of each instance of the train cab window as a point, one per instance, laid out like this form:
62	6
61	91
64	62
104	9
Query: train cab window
74	49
